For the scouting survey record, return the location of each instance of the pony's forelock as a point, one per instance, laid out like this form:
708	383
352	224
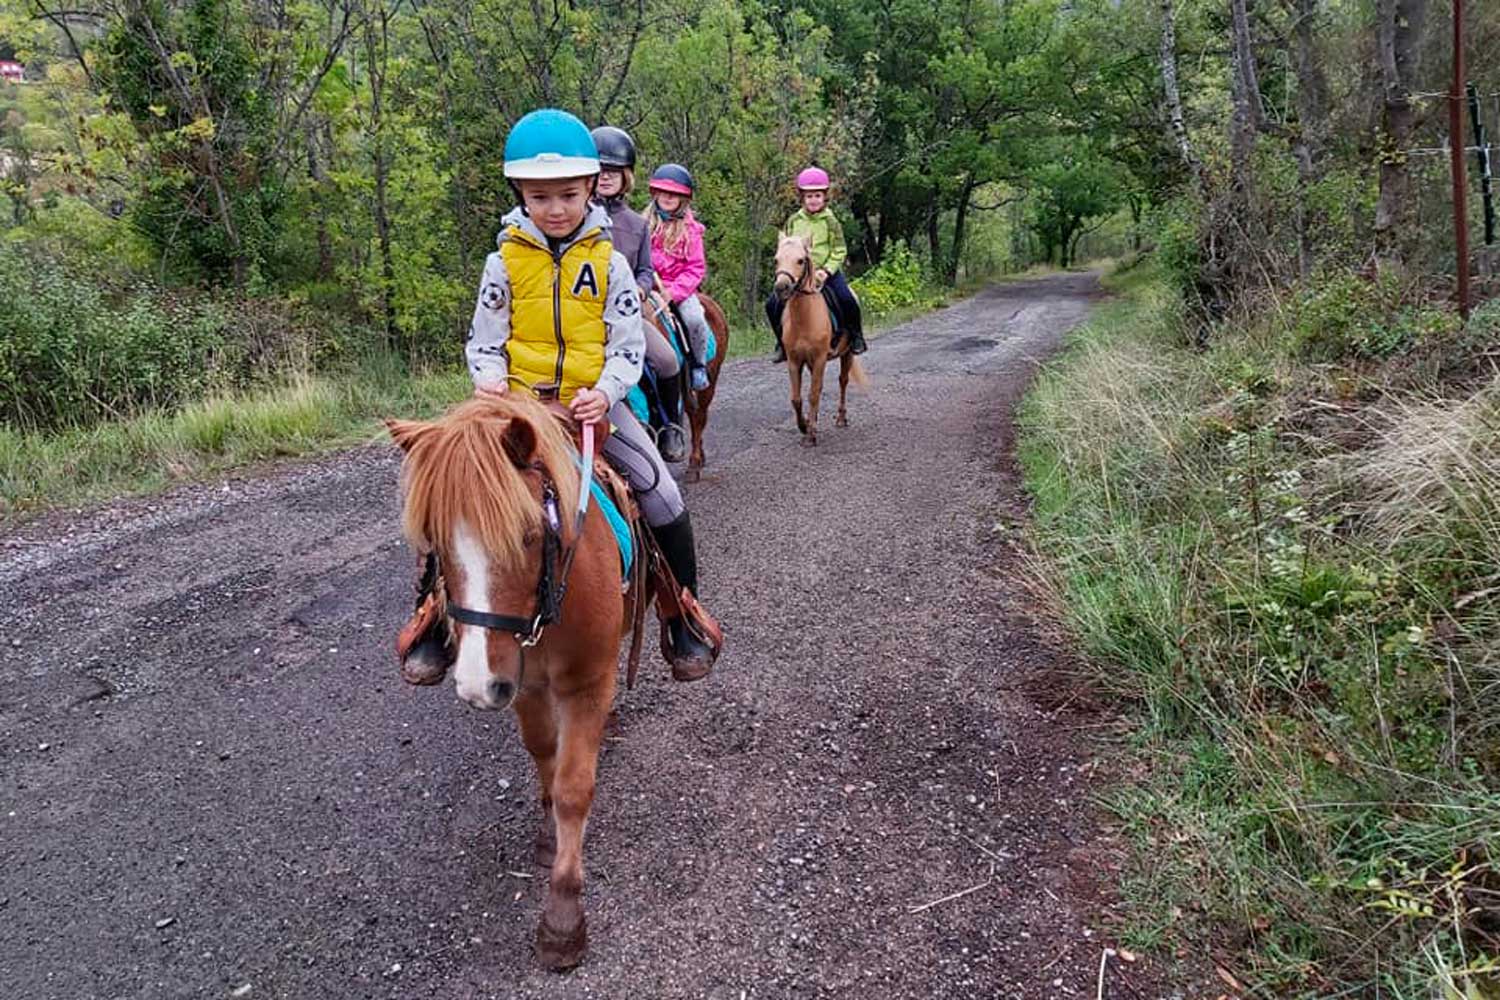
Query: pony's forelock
461	471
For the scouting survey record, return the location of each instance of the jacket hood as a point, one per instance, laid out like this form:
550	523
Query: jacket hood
596	218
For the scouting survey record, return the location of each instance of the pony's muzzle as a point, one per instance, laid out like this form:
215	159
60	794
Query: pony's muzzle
492	695
501	693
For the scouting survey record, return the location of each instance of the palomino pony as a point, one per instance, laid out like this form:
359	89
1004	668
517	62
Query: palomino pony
697	403
492	488
807	335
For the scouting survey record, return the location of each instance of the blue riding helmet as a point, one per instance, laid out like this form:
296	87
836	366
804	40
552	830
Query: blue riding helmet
673	177
548	144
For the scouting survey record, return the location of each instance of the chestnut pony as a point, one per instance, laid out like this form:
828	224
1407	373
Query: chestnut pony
807	335
492	488
697	403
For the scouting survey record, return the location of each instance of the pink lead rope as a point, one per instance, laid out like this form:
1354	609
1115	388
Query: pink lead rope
588	473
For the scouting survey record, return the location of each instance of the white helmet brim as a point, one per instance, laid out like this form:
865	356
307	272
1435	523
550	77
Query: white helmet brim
551	166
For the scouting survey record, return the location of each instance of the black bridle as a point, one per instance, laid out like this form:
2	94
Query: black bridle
798	283
552	581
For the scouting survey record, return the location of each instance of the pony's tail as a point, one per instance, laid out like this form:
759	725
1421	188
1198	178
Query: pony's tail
857	374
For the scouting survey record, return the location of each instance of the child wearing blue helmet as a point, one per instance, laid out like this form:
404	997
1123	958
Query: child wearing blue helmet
559	313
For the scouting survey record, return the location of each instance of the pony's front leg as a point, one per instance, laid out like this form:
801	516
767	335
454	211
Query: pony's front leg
562	936
845	363
539	735
794	369
814	398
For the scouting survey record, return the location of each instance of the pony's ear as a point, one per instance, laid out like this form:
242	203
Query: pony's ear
406	433
520	441
805	241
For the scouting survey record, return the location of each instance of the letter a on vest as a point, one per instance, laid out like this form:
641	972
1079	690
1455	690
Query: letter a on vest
586	277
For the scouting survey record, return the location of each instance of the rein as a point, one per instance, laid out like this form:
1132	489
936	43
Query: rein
804	284
552	581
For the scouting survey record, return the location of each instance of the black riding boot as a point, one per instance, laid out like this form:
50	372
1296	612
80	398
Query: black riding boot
669	388
671	439
774	308
692	658
857	341
431	652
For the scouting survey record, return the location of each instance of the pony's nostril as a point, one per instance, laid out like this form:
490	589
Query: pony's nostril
500	692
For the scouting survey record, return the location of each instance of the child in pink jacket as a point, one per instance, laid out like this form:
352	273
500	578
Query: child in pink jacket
677	256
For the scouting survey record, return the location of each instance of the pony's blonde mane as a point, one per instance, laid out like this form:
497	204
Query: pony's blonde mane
458	468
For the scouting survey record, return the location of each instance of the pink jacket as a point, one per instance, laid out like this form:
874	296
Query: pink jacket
681	271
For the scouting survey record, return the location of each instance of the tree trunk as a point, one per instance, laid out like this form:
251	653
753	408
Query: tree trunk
1173	98
960	220
319	178
934	243
1312	124
1399	26
377	49
1244	122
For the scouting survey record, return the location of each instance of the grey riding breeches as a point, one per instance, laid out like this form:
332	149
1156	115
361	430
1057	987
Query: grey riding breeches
631	450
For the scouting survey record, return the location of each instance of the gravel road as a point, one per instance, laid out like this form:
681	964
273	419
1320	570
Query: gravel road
212	783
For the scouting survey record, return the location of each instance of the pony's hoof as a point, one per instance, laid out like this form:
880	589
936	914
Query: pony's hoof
809	441
561	950
692	475
841	422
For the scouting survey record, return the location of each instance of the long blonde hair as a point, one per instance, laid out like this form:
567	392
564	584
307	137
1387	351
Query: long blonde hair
674	232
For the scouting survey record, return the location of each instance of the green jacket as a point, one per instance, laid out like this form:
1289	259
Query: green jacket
826	234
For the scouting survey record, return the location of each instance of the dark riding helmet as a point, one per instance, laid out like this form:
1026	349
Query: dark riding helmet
616	148
673	177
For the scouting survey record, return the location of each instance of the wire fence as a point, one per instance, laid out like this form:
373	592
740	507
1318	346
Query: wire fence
1429	161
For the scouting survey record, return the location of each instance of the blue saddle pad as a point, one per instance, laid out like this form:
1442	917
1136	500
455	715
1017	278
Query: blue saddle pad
677	337
617	524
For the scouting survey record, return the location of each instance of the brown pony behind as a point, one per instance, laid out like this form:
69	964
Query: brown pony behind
463	467
696	402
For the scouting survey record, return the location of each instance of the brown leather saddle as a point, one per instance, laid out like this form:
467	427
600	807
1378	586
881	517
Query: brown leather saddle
650	575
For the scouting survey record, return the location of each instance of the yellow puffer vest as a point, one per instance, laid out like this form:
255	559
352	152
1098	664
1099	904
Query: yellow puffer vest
557	310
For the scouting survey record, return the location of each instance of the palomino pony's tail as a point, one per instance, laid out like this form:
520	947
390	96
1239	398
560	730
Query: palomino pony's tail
857	374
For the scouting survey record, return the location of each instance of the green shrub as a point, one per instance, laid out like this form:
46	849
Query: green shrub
1350	316
1177	250
77	351
894	284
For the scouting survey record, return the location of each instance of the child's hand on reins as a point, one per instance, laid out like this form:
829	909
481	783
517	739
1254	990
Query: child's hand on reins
822	276
589	406
495	390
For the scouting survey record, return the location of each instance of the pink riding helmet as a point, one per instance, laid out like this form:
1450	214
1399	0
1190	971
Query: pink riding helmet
813	179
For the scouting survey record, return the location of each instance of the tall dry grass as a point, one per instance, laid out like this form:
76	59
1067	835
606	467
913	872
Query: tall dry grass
1298	592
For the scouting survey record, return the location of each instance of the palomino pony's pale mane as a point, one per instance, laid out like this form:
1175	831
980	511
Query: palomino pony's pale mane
458	468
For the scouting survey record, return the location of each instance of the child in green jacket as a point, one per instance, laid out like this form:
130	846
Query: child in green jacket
816	221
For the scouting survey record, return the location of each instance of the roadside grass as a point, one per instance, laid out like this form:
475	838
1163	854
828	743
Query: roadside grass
157	449
1285	561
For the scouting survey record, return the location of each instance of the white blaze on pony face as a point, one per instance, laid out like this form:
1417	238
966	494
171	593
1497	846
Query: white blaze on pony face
471	672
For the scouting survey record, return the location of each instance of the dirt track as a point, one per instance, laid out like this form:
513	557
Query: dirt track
210	775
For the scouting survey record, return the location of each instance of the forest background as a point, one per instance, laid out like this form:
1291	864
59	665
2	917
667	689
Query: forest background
1267	476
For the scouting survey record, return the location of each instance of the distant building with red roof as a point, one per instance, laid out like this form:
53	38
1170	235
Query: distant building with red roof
12	72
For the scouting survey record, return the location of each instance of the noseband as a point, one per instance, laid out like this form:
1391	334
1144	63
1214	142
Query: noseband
551	585
802	285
